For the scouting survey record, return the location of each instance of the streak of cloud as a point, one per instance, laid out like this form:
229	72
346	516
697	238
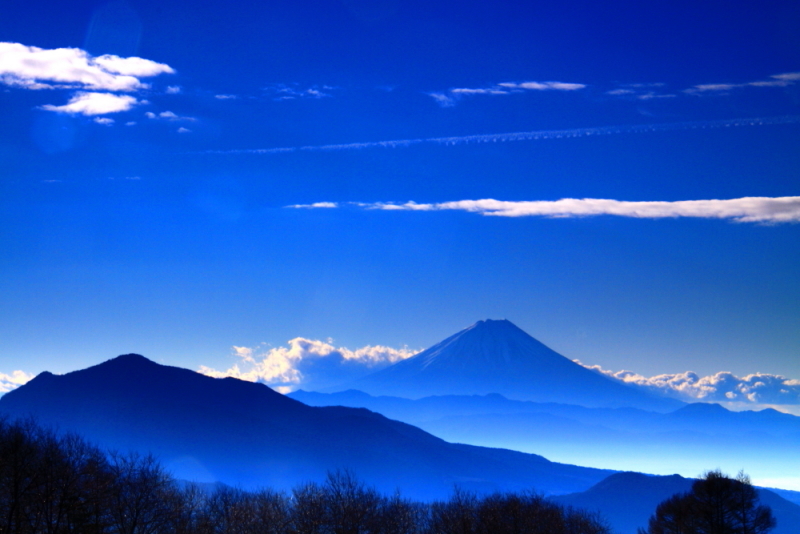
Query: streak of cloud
777	80
308	364
747	209
535	135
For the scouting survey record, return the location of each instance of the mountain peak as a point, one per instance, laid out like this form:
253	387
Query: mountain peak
496	356
130	359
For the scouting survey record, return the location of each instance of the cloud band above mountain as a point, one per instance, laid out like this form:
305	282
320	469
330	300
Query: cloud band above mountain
310	364
746	209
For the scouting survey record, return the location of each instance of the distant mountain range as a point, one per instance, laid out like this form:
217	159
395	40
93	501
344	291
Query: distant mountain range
495	356
693	438
244	433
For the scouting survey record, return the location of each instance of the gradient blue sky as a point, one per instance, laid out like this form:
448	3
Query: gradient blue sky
161	229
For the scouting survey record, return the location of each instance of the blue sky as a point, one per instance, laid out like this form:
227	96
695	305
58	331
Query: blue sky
143	208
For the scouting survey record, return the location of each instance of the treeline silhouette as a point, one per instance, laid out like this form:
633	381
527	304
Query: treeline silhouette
53	483
716	504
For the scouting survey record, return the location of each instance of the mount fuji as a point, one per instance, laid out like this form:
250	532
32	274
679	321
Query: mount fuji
495	356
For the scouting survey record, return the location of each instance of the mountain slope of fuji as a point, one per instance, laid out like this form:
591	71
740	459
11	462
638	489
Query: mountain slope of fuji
495	356
246	434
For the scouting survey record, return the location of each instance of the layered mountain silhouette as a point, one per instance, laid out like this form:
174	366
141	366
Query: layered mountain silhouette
495	356
690	439
245	434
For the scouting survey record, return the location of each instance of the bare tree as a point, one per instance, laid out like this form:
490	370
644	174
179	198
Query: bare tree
139	495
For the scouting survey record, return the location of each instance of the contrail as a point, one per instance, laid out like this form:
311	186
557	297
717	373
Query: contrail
535	135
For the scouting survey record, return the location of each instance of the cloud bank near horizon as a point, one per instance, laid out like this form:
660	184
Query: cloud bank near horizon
747	209
723	387
307	364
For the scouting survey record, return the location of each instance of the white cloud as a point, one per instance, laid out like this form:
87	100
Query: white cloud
226	97
184	130
308	364
747	209
13	380
173	89
132	66
37	68
753	389
95	104
104	121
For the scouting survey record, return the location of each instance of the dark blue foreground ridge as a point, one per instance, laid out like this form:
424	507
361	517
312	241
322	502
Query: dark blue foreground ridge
244	433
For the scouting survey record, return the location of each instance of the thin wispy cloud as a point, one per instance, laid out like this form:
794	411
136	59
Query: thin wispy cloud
293	91
450	97
776	80
534	135
746	209
168	116
308	364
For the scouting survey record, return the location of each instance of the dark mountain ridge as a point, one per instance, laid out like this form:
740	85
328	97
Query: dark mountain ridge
246	434
495	356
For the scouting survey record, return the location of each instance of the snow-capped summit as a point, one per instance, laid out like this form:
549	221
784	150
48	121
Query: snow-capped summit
495	356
